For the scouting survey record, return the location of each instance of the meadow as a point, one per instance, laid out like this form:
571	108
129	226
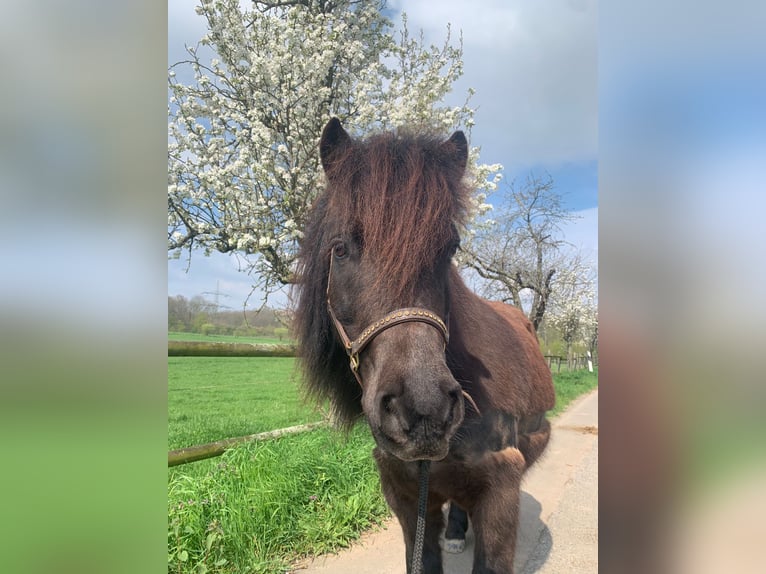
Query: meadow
262	506
212	398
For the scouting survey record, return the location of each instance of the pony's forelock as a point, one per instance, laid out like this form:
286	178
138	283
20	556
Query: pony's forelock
403	194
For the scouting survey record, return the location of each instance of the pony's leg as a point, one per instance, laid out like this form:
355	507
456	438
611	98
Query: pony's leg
401	493
432	552
495	515
532	444
457	524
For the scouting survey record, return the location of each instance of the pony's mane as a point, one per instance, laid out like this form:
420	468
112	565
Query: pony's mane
401	194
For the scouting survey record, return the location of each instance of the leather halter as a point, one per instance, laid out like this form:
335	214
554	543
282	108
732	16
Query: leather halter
406	315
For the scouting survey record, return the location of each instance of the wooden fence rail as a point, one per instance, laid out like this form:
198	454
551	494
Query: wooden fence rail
211	449
572	364
223	349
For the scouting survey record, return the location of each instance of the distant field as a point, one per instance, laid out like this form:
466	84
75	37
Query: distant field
212	398
177	336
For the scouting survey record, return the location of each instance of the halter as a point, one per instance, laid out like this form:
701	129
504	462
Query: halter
406	315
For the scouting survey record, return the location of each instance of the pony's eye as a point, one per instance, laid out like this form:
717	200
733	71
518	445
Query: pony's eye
340	250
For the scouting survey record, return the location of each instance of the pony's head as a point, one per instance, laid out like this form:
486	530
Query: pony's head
381	238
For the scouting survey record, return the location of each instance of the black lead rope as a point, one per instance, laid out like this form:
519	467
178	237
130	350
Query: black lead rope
420	531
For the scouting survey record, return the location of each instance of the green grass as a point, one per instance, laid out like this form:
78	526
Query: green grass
212	398
570	385
178	336
263	505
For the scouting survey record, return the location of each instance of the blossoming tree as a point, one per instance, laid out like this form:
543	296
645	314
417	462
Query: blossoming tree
576	319
244	126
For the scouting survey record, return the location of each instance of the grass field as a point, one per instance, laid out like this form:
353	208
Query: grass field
261	506
177	336
211	398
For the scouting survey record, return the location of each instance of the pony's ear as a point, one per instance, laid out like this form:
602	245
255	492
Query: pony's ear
335	140
455	150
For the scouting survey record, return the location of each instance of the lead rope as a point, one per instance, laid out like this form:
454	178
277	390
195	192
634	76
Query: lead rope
420	530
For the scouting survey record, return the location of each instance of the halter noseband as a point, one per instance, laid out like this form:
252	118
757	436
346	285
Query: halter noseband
407	315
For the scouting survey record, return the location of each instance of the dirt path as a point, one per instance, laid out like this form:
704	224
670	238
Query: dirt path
558	531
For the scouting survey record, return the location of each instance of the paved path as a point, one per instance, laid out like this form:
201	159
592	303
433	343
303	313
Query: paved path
558	531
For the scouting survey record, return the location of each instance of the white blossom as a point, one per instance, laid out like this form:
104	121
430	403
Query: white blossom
243	162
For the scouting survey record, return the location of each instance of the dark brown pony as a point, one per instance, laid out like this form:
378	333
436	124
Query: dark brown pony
381	239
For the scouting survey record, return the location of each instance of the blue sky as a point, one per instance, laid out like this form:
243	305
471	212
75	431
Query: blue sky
534	68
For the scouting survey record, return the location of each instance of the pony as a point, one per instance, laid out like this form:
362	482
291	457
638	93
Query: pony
389	331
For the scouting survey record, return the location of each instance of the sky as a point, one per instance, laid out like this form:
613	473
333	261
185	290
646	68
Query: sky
533	66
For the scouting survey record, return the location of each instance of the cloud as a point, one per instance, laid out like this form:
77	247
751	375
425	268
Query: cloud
534	68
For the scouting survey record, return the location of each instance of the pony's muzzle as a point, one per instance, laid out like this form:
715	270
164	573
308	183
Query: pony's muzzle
418	421
413	403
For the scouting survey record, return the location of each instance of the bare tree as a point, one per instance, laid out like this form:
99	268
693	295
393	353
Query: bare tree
520	252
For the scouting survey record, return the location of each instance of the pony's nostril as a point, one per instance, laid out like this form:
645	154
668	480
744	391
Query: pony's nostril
387	404
393	413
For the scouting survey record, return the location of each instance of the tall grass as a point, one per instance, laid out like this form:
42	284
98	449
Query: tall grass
263	505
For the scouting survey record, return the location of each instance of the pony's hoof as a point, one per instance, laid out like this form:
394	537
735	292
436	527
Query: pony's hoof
454	546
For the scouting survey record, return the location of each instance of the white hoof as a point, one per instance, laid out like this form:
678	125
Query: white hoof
454	546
